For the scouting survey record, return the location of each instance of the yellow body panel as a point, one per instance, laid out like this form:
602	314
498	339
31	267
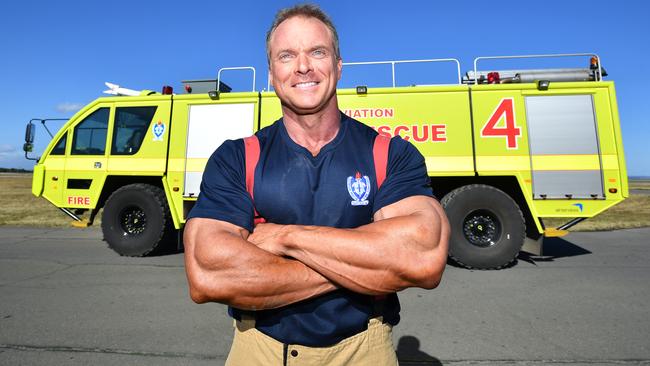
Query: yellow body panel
37	180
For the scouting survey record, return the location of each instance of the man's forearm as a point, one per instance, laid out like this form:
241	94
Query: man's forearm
385	256
223	267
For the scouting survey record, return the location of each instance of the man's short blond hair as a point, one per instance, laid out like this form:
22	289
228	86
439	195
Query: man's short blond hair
307	11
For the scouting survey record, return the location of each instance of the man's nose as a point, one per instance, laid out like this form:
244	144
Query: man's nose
304	64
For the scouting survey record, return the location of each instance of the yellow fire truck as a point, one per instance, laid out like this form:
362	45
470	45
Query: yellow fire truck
503	150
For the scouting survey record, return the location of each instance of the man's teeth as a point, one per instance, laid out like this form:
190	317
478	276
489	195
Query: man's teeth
304	85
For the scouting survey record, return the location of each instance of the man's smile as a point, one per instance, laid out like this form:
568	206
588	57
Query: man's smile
305	84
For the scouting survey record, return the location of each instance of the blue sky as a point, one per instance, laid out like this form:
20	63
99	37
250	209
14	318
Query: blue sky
56	55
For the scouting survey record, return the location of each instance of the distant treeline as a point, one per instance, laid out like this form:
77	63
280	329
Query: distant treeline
14	170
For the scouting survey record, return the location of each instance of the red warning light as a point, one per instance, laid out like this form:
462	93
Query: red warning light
494	78
167	90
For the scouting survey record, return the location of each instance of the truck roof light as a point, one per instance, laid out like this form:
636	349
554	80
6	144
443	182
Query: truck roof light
543	84
167	90
188	88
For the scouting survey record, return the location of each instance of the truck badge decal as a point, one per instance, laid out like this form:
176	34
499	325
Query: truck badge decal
158	130
578	205
359	189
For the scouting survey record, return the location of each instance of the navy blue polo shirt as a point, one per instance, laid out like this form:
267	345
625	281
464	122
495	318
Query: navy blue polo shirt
336	188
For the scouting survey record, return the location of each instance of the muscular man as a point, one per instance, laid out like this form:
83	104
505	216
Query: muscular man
317	283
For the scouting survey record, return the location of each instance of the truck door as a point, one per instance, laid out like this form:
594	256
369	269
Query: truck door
138	142
85	169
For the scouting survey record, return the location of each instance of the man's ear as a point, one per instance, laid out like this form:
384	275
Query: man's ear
339	67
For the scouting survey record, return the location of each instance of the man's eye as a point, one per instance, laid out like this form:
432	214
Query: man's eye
319	53
284	56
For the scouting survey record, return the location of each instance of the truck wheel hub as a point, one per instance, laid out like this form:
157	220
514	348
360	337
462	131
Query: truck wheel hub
133	220
481	228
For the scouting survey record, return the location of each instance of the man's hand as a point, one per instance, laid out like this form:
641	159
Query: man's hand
269	237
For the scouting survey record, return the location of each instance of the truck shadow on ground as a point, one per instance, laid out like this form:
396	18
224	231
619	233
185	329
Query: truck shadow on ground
409	353
554	248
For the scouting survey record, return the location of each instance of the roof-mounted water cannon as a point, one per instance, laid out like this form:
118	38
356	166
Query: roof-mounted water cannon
114	89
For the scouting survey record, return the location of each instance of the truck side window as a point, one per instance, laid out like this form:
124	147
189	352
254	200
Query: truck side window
131	124
90	134
59	149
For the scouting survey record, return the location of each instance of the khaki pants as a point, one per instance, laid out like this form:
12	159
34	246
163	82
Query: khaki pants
373	347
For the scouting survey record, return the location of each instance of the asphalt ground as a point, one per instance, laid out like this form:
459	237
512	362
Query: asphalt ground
66	299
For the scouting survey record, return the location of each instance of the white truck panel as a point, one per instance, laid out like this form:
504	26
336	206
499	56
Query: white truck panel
209	125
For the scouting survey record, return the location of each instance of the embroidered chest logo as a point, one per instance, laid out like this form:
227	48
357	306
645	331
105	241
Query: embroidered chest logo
359	189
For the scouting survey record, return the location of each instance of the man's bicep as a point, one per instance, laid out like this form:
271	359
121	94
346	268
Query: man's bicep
206	228
207	240
421	205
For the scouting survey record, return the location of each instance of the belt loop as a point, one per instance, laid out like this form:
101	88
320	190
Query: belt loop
247	322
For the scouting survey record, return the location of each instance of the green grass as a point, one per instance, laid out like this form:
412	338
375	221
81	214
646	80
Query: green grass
21	208
642	184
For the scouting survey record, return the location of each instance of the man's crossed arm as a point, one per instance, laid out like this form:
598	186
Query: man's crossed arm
405	246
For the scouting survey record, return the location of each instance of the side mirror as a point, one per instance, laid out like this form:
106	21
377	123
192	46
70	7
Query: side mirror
29	132
29	137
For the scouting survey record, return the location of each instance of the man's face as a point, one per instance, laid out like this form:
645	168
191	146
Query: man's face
303	67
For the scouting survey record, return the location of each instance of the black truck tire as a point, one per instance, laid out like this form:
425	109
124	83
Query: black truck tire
487	227
136	220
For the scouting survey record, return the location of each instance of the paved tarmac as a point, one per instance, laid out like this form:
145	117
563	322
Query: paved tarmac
66	299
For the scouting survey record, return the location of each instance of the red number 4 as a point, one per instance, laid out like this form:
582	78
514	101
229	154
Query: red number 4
510	131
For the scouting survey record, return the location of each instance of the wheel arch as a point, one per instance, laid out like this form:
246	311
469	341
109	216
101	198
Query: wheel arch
115	182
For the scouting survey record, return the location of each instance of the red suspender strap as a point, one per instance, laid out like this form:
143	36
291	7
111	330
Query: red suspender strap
380	155
252	155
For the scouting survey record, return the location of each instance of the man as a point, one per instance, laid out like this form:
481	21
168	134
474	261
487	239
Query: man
317	283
